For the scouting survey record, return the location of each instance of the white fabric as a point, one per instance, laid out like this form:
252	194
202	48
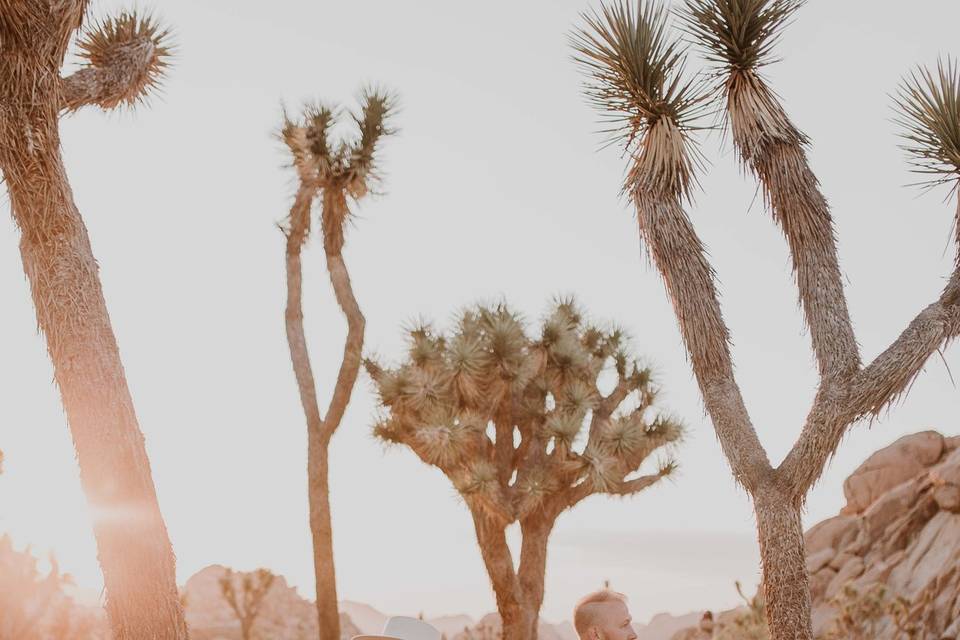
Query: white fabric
403	628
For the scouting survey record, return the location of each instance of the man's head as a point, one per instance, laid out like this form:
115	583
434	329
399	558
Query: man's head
603	615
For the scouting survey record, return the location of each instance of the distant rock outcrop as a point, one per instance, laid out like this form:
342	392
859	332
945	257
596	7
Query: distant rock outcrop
285	614
663	626
489	628
900	528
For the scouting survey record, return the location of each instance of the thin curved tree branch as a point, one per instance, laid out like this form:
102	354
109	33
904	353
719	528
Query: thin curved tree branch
738	37
635	74
689	279
930	110
872	389
297	230
582	491
890	373
353	347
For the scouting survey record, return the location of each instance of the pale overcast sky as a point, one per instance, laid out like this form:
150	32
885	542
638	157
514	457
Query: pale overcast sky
495	187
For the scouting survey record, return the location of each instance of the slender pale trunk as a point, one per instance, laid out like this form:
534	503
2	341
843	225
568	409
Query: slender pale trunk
320	429
134	549
786	586
322	529
318	489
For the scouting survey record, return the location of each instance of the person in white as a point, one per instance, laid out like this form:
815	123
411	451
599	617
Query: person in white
403	628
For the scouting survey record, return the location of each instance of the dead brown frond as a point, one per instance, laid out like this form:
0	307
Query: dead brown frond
756	117
636	78
738	34
131	52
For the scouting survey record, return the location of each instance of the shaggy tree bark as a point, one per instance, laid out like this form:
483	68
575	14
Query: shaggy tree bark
133	546
636	74
786	584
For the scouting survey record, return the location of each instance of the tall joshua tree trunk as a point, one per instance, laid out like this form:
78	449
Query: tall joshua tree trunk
134	549
319	171
133	546
783	561
636	70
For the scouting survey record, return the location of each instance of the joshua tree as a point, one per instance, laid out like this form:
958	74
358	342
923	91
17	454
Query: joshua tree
336	173
500	414
636	73
245	593
124	58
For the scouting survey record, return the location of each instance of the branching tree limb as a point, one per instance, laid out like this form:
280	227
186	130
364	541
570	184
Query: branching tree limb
636	73
125	60
336	173
130	55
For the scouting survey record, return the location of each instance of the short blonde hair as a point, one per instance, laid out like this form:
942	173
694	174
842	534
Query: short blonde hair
585	614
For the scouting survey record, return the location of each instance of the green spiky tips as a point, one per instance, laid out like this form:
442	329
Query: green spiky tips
738	34
635	77
929	106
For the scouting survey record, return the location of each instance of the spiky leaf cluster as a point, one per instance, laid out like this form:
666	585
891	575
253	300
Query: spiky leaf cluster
518	421
635	74
929	105
738	34
338	169
348	164
134	48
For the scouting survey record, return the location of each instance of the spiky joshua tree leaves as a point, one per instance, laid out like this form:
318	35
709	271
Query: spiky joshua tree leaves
616	48
124	58
337	173
521	427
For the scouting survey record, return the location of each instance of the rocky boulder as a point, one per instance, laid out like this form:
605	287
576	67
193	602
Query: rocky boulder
900	529
903	460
